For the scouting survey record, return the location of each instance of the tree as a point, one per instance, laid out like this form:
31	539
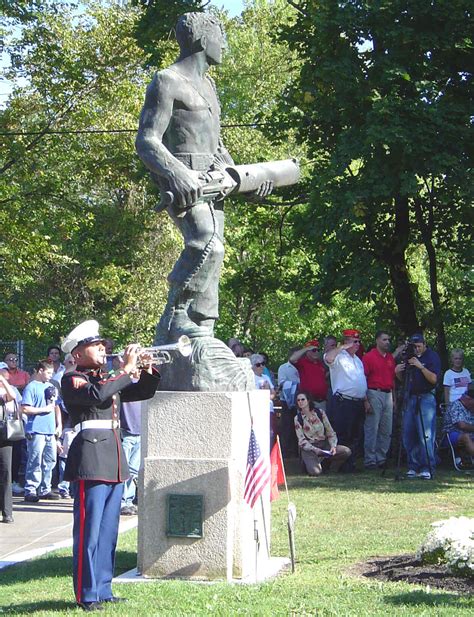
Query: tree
155	25
382	102
254	73
79	237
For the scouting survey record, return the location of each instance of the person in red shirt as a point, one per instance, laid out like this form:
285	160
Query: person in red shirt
18	378
312	373
379	368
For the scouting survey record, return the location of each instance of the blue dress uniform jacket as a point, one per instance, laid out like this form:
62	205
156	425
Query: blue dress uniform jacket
96	454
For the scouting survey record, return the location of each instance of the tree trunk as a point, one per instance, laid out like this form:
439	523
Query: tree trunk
426	230
437	310
407	319
395	259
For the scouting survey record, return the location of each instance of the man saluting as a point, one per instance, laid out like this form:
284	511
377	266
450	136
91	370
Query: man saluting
96	461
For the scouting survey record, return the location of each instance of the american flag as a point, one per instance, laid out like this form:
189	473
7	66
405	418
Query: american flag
258	472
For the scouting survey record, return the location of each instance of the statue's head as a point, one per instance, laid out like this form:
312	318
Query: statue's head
200	31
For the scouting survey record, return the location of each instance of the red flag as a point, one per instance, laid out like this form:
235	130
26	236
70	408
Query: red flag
277	476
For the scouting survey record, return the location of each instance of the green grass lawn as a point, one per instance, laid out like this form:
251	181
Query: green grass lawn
341	520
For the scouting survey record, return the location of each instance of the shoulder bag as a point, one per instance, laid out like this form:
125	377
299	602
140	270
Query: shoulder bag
11	423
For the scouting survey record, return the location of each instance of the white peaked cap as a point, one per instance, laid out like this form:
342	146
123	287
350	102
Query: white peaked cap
83	334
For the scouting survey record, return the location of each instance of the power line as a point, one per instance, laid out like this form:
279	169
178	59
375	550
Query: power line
106	131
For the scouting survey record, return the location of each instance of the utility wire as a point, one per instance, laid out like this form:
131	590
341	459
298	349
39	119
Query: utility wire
102	131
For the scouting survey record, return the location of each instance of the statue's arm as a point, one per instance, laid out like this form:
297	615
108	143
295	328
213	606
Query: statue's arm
154	120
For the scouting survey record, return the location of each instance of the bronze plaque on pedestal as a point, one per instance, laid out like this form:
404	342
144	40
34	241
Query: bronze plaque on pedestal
184	515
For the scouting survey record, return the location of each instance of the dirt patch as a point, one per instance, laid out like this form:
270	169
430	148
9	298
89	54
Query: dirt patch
409	569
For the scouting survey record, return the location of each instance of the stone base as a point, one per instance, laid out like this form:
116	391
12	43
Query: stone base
211	367
273	567
196	443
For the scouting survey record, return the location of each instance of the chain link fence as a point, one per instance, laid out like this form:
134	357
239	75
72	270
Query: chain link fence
28	353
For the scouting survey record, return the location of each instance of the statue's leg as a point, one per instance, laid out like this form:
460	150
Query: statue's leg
204	306
191	274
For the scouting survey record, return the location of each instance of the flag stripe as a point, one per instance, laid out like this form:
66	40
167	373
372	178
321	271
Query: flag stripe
257	473
252	487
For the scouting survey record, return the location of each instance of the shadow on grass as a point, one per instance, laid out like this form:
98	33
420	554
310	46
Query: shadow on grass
54	565
368	481
36	607
125	561
37	569
420	597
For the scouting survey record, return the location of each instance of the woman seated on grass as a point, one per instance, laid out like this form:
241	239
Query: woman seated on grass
316	437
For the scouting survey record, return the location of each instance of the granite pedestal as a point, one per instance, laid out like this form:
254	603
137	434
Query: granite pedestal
195	444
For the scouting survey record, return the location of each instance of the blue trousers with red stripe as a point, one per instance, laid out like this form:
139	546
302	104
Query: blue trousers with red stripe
95	531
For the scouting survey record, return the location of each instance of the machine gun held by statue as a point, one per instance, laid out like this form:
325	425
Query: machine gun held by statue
239	179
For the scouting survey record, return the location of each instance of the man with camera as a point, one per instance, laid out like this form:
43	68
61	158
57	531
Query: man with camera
420	371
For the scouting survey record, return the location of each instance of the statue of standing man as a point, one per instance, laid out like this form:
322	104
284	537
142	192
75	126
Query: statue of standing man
179	142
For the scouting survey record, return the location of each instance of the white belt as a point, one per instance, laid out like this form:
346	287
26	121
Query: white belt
96	424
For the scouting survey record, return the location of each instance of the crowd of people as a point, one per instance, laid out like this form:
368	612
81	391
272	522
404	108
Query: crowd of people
336	402
34	467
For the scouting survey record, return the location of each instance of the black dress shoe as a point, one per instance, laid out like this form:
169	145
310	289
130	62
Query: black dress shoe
7	519
91	606
115	599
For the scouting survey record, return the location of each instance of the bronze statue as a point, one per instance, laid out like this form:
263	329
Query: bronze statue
179	141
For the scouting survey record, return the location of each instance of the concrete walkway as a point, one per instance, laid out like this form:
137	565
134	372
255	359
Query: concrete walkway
40	528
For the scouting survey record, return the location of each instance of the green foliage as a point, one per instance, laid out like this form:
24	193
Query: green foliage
370	98
382	102
154	29
254	302
79	237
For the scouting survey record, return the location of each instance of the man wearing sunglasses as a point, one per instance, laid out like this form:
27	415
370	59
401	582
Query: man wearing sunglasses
17	377
263	382
349	399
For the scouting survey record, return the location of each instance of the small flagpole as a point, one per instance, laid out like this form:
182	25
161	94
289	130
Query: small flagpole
291	514
255	525
283	469
265	526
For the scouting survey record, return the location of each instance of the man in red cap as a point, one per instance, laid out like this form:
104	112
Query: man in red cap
311	370
356	334
349	387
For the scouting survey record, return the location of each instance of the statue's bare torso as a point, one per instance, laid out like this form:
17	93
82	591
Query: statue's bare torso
194	121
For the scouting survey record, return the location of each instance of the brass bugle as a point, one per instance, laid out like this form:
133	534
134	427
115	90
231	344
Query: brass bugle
161	354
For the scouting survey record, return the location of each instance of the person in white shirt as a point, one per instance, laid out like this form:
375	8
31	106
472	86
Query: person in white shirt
288	384
53	353
288	371
348	403
457	379
263	382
